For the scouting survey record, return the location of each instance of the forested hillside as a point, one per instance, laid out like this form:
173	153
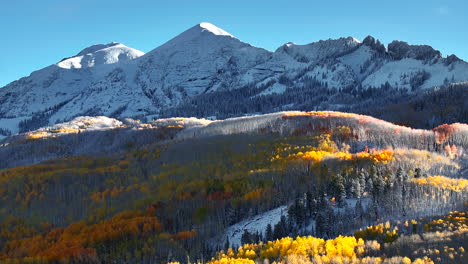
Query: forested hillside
170	190
418	109
420	241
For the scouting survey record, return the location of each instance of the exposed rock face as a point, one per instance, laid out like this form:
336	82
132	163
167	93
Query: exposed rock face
374	44
452	58
319	50
400	49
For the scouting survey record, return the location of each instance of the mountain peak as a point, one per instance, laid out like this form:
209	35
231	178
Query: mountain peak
205	32
100	54
96	47
213	29
316	51
374	43
400	49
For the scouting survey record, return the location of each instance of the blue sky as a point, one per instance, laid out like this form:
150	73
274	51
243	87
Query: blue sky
35	34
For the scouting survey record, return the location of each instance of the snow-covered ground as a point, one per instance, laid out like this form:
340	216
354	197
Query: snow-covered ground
254	224
276	88
100	54
259	222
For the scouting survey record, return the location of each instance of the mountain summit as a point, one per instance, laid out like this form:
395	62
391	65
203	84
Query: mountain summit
205	64
208	27
100	54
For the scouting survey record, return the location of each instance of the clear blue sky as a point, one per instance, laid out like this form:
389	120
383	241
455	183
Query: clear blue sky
37	33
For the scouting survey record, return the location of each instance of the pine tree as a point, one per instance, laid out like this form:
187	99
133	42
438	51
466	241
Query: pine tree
246	237
358	210
226	245
339	190
417	173
362	181
281	228
269	233
390	180
356	188
296	212
324	217
378	185
309	204
321	224
399	175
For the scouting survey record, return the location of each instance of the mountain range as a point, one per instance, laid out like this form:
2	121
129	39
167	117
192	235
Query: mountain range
202	70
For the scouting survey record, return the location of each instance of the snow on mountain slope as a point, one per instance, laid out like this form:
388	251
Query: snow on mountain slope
357	59
333	75
204	58
79	124
276	88
255	224
118	81
100	54
319	50
292	60
400	73
259	222
48	90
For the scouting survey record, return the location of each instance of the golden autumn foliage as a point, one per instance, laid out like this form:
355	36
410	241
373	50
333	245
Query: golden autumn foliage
37	178
79	238
343	246
382	232
424	159
232	261
111	193
362	248
226	260
457	185
327	149
66	130
323	114
184	235
308	250
454	220
255	194
36	135
377	156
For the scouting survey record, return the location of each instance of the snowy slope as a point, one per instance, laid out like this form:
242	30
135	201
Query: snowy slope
399	73
117	81
204	58
48	90
319	50
254	224
259	223
100	54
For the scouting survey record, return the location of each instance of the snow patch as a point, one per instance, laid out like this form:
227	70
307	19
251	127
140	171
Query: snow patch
276	88
214	29
254	224
181	121
100	54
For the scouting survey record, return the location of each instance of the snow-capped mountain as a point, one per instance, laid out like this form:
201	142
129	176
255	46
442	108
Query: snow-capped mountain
202	59
100	54
49	90
117	81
